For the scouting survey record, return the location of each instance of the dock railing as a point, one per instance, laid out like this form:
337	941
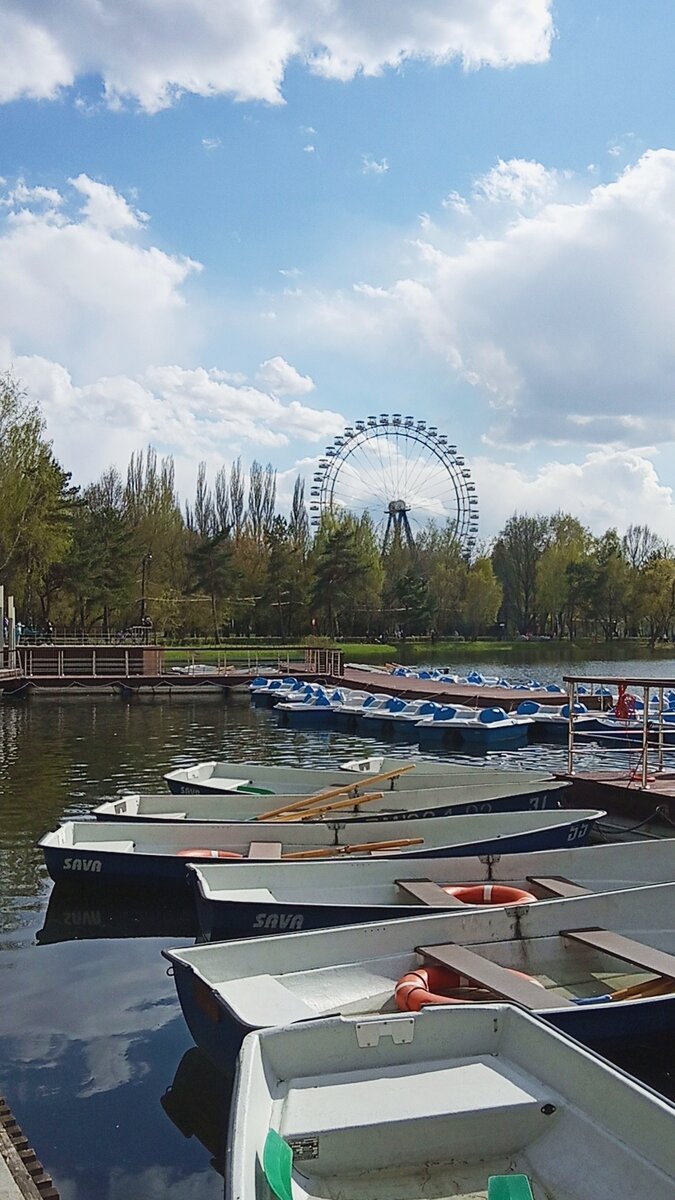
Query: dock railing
627	686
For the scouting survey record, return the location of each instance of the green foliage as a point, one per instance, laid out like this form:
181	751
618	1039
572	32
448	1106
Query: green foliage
231	565
36	502
482	598
347	573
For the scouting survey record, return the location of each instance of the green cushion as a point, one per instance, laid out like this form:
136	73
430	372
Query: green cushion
509	1187
278	1165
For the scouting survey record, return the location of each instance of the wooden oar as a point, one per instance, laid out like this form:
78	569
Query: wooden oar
649	987
353	786
332	851
312	813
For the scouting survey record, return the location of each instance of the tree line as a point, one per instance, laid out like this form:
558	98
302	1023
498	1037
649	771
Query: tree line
226	563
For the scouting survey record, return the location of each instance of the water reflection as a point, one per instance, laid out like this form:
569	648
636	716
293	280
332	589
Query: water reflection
198	1103
76	914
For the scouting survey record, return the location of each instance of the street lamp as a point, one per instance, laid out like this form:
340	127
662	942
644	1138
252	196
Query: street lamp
147	558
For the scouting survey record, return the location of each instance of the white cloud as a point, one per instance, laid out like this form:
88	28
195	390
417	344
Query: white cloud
211	143
560	317
281	378
309	148
607	488
193	414
104	208
152	53
374	166
516	182
79	287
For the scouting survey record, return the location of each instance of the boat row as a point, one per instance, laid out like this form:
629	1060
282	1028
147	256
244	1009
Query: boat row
431	1056
407	1004
432	723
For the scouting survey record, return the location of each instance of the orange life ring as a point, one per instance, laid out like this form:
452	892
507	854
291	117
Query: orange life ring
426	985
208	854
490	893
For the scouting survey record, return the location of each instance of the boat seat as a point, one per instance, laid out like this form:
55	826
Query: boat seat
491	975
426	892
264	850
120	847
376	1117
558	885
509	1187
261	1000
628	950
169	816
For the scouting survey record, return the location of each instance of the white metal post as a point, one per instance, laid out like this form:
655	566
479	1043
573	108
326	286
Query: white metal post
645	733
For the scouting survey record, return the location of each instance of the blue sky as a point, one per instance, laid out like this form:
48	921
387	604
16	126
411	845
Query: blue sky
232	226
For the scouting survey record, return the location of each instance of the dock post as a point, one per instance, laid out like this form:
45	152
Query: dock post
571	698
660	750
11	634
645	733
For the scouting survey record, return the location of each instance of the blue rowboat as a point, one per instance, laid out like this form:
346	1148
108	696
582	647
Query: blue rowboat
576	954
152	852
269	899
458	799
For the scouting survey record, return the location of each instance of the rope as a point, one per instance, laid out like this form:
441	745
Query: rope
658	812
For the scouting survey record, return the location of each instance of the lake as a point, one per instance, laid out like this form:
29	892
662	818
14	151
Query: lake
95	1059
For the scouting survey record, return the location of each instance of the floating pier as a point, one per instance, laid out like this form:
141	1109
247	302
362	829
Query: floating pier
641	794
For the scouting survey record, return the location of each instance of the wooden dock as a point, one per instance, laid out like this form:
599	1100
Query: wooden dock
22	1176
639	795
450	693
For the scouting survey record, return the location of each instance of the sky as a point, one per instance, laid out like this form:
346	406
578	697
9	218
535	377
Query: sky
234	227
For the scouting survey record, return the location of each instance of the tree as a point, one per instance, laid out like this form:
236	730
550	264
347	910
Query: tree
159	533
569	543
100	566
658	597
482	598
640	544
440	556
36	500
515	557
412	593
211	566
347	570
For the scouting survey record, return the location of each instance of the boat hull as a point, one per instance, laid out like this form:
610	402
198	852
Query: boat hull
93	858
542	799
216	1030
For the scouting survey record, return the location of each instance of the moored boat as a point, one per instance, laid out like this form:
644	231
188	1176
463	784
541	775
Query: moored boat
260	778
364	804
597	966
478	1102
269	899
152	852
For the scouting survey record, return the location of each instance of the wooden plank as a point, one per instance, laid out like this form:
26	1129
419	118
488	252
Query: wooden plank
558	885
426	892
495	978
626	949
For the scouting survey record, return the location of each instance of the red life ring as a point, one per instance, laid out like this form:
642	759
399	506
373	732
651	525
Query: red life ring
418	988
490	893
208	854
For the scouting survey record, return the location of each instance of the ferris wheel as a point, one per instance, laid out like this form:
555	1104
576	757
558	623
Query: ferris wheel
404	473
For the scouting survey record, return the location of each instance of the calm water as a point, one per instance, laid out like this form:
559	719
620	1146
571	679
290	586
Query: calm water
95	1059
